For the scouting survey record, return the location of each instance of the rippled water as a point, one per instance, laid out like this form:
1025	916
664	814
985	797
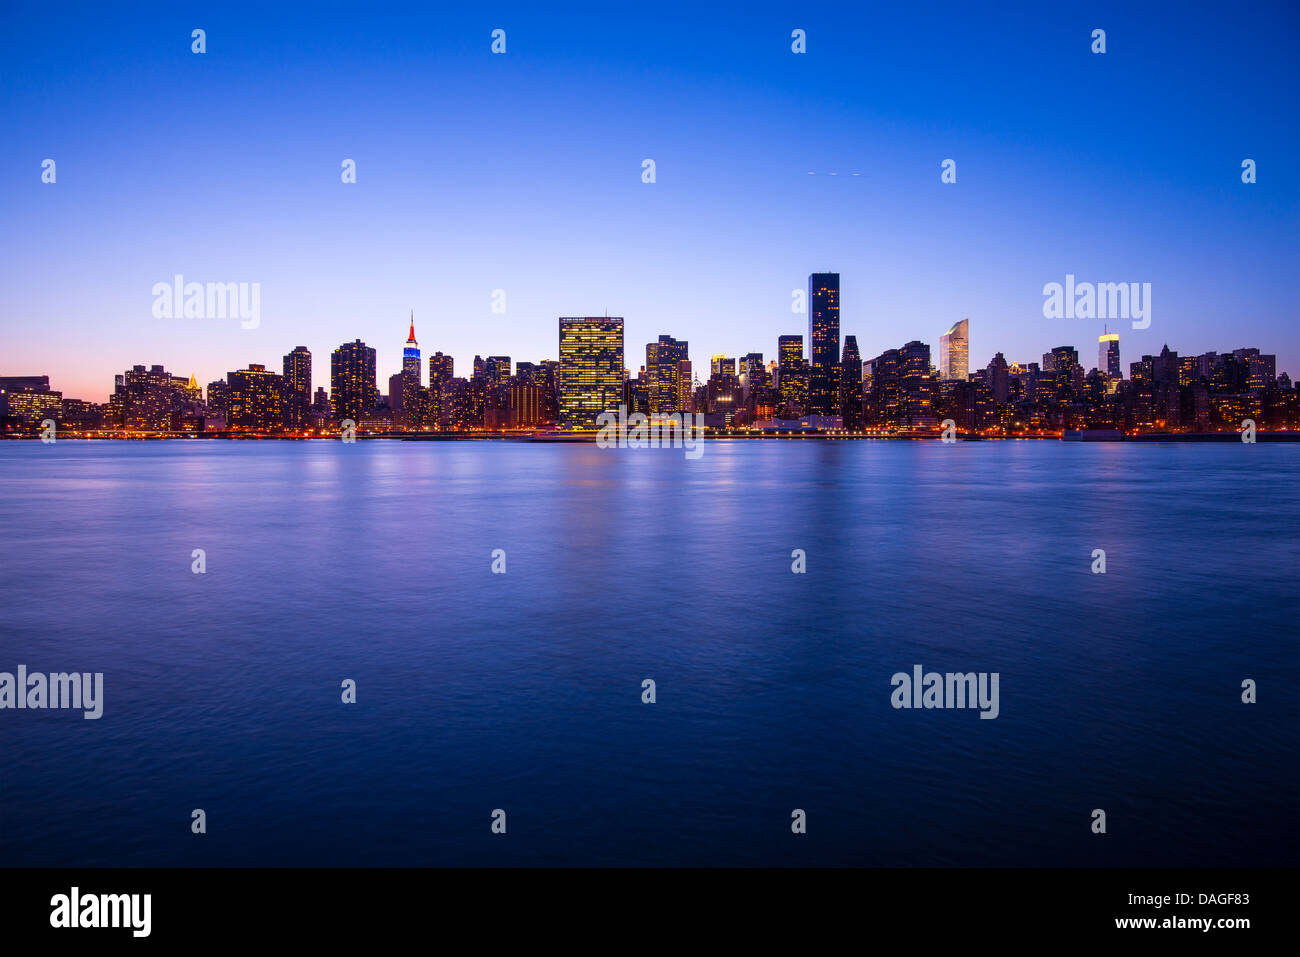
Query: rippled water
522	691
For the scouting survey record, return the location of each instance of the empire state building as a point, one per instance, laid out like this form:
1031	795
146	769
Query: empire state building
411	354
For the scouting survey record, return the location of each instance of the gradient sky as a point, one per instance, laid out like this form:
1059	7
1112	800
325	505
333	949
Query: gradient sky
523	172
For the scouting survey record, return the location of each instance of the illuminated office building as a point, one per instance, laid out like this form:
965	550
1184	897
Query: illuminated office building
954	352
1108	355
591	368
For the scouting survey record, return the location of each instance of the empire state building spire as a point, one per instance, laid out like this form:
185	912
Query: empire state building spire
411	354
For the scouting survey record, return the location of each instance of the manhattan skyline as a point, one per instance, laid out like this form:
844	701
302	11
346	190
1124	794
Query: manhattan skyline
522	172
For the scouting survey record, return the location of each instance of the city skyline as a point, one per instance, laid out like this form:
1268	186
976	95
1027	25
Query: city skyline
769	165
901	389
1109	356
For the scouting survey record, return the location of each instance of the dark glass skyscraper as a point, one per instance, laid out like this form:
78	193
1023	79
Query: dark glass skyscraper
824	343
851	384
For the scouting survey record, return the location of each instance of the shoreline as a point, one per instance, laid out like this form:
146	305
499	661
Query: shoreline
729	436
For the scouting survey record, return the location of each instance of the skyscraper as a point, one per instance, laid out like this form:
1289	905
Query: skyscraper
591	368
851	384
497	369
297	386
1108	355
352	381
721	365
793	371
663	373
954	352
411	354
1069	374
442	369
685	387
916	398
823	343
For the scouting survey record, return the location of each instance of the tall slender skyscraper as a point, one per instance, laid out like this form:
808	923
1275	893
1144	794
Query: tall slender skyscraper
851	384
591	368
297	385
1108	355
954	352
411	354
824	343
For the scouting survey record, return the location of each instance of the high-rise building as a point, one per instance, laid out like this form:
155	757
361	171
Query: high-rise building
721	365
792	370
256	400
150	399
823	343
916	395
1261	369
851	384
663	362
789	349
1069	373
685	390
442	369
218	392
998	379
352	381
1108	355
408	401
954	352
591	368
548	377
497	370
882	381
297	386
411	354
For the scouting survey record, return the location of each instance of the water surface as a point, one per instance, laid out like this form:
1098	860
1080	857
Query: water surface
522	691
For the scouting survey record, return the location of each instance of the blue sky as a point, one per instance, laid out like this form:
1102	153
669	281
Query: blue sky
522	172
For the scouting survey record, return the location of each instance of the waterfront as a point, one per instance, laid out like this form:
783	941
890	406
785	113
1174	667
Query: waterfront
522	691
